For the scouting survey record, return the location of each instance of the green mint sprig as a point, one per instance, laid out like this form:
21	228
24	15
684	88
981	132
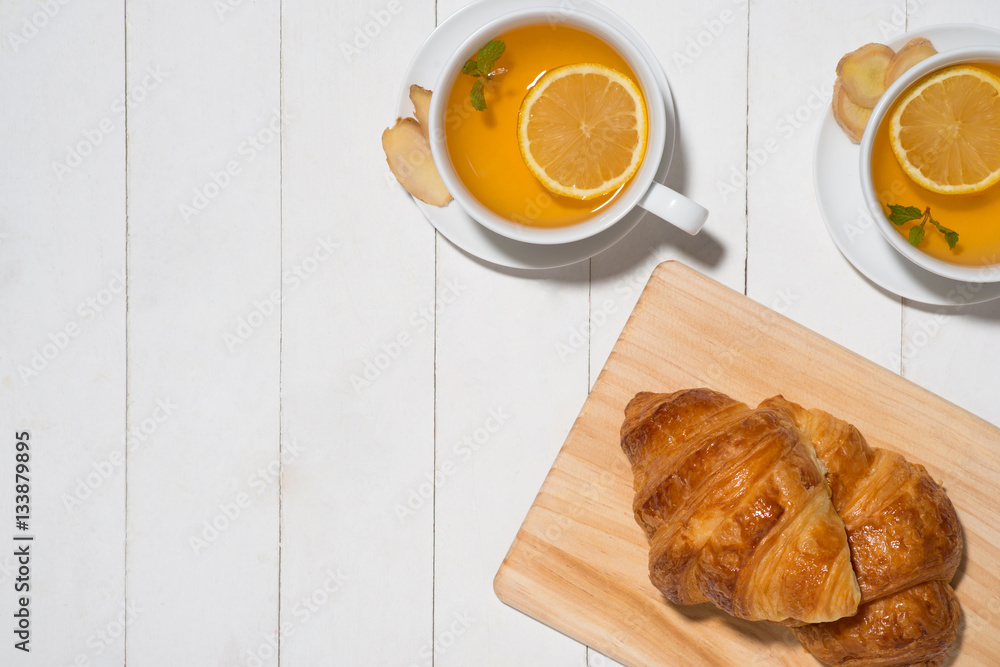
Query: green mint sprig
899	215
482	68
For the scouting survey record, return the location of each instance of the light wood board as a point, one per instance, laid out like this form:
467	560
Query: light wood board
579	562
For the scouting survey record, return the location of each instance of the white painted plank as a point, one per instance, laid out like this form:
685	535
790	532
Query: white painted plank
793	265
505	401
921	14
953	351
204	260
695	43
62	326
357	347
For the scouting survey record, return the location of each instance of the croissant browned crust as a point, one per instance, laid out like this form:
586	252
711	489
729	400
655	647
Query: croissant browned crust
736	509
917	626
906	544
901	525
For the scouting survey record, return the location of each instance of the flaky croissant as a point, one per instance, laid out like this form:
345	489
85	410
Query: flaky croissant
906	544
736	509
916	626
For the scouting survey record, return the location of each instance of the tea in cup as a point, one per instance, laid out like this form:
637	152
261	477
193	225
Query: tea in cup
559	136
930	164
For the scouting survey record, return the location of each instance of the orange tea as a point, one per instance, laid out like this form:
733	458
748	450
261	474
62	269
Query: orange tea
483	145
975	217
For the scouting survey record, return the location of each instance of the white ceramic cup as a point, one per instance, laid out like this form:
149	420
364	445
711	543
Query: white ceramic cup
642	190
974	274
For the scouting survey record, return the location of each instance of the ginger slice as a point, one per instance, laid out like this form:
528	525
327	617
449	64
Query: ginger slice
421	98
913	52
851	117
408	153
862	73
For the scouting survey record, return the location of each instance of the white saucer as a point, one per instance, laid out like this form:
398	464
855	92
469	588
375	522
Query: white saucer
452	221
837	181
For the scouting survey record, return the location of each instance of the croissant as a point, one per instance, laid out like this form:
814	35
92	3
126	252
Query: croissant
736	509
906	544
917	626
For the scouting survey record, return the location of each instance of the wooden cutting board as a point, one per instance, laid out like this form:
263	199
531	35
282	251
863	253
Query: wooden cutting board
579	562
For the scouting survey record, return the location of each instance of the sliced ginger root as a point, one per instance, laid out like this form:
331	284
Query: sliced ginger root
421	98
862	73
865	74
408	153
851	117
913	52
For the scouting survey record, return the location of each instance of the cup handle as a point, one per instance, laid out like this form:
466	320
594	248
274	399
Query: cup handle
675	208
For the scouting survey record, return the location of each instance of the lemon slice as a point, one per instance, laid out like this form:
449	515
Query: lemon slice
582	130
945	132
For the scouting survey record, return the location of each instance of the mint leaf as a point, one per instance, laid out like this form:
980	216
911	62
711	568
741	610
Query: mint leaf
899	215
950	235
477	96
481	68
488	56
902	214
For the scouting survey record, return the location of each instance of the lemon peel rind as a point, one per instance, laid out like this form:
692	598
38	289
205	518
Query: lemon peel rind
538	171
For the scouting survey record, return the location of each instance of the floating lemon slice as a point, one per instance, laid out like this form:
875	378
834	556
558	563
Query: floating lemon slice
946	131
582	130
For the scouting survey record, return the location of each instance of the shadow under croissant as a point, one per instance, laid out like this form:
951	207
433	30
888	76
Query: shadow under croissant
768	634
760	631
960	572
959	575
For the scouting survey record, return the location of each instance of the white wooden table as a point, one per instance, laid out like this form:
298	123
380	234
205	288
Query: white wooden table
270	409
